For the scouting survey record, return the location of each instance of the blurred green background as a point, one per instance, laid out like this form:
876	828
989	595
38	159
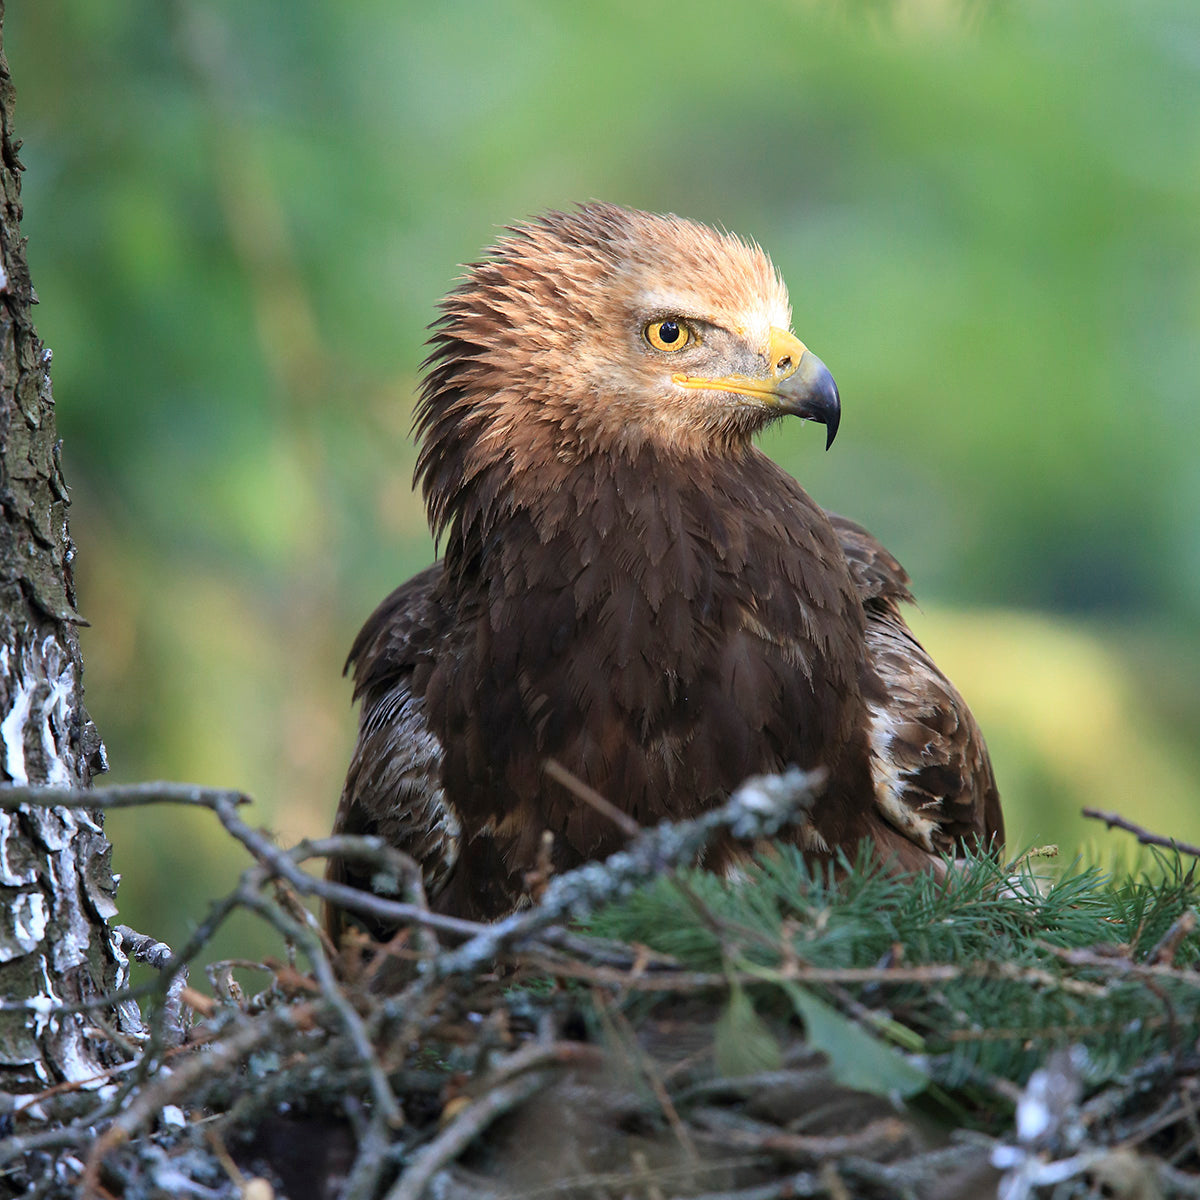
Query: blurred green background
241	214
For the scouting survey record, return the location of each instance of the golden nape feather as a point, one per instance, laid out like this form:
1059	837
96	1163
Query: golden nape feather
631	588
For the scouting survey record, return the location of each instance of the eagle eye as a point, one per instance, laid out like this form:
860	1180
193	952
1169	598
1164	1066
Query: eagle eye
669	335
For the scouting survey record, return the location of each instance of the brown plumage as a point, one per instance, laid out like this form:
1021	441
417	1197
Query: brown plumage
630	587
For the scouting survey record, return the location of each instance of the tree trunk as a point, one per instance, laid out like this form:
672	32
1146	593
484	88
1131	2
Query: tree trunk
56	881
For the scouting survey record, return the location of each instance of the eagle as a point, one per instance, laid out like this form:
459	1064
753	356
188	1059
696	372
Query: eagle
631	589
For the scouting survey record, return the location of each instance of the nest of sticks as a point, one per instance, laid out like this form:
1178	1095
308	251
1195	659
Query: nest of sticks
646	1030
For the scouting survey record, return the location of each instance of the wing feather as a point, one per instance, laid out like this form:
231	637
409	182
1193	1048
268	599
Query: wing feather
933	777
394	786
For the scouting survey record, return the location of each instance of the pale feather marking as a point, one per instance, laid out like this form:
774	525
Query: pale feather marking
890	783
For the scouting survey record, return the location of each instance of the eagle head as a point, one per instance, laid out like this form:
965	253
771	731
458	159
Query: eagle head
602	331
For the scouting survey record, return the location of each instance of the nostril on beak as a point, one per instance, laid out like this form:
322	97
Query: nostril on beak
783	365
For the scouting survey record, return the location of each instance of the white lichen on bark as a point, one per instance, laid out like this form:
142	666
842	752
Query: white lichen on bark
42	697
58	903
28	925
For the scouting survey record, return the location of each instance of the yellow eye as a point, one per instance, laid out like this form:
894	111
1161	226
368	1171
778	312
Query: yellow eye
669	335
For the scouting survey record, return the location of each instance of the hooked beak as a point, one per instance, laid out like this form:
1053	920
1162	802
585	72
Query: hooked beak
799	384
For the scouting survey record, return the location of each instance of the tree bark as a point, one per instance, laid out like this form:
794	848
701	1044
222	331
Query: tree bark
56	882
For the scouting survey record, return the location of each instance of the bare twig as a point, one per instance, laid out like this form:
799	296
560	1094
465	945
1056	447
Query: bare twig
341	1004
1123	965
1167	946
759	808
582	791
158	954
1116	821
284	863
1178	1183
875	1136
182	1080
372	1160
224	802
624	1036
915	1176
805	1183
461	1132
672	979
122	795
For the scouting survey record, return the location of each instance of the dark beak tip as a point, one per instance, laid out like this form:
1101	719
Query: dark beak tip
824	402
812	394
833	415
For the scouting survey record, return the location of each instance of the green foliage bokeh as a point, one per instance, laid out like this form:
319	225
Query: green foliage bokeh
241	215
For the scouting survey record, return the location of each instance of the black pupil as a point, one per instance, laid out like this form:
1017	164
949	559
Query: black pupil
668	332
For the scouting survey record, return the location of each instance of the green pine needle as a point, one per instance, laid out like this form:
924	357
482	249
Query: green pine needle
1032	964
